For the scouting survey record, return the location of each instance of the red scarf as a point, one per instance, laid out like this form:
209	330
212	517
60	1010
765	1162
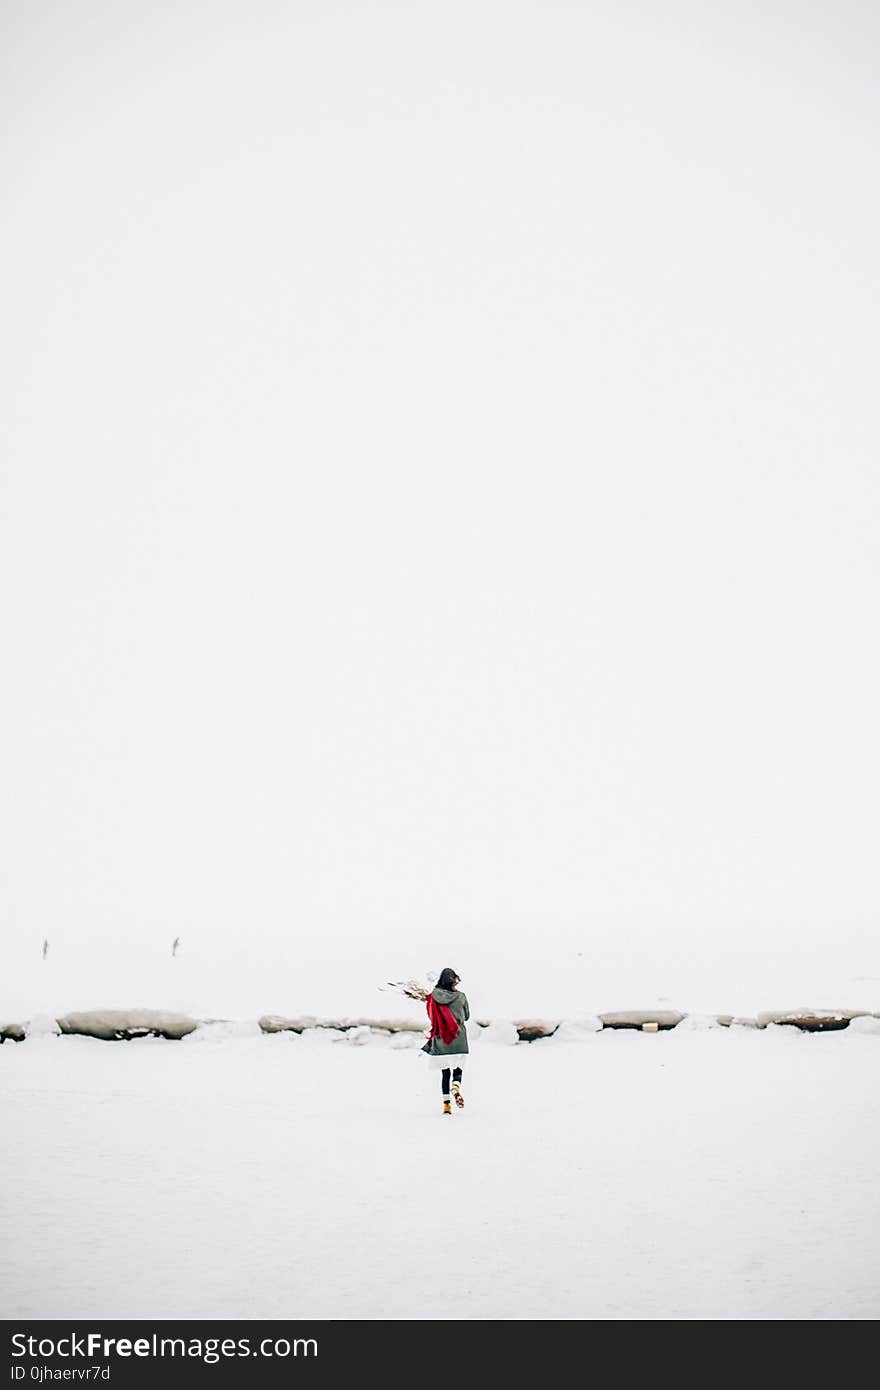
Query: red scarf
443	1021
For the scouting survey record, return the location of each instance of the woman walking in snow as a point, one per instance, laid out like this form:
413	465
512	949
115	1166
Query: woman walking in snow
447	1045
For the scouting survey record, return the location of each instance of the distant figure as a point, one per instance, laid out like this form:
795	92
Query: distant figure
45	947
174	945
447	1045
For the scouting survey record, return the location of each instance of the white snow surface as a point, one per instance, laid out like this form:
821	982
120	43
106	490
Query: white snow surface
703	1173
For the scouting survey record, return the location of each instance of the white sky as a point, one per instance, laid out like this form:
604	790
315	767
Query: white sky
440	478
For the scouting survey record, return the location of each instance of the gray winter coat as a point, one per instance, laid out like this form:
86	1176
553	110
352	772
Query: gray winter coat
457	1002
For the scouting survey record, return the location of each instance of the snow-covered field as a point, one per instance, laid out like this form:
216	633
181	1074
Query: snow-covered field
699	1173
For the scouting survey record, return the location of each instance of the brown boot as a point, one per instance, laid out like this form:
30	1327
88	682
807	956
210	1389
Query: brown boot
447	1108
459	1098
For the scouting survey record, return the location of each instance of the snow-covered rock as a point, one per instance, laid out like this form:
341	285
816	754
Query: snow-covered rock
12	1032
636	1018
277	1023
123	1024
530	1029
810	1020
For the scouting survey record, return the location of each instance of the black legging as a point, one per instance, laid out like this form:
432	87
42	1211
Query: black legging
444	1079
